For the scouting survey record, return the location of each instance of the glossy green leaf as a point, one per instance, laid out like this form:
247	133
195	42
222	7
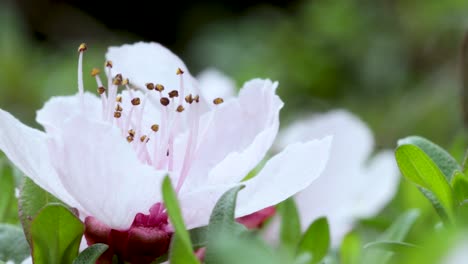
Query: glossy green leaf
181	247
290	229
91	254
446	163
315	241
417	167
56	234
222	222
460	186
395	233
351	249
13	245
32	199
392	246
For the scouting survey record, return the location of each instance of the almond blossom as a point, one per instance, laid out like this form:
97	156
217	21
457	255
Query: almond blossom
353	185
106	154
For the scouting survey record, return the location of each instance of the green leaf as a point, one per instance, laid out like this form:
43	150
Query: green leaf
315	241
199	237
392	246
417	167
181	247
290	230
32	199
446	163
91	254
395	233
13	245
56	234
222	222
8	201
460	186
351	249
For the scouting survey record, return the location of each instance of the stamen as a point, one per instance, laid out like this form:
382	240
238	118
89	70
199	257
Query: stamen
118	99
109	64
179	71
101	90
196	98
117	80
131	132
118	108
117	114
125	81
180	109
159	87
95	71
150	86
129	139
155	127
143	138
189	99
81	49
164	101
136	101
218	101
173	93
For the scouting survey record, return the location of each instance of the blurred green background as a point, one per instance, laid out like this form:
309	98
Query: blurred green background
396	64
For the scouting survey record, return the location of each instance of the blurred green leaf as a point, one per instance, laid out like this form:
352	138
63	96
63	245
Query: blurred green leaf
32	199
446	163
222	221
13	245
56	235
392	246
417	167
351	249
396	233
315	241
8	202
181	248
290	230
91	254
460	186
198	236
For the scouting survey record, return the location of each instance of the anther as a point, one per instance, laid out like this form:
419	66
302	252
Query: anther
142	138
118	99
179	71
218	101
108	64
101	90
118	108
173	93
117	79
196	98
155	127
164	101
83	47
159	87
129	139
180	109
95	71
136	101
125	81
189	99
117	114
150	86
131	132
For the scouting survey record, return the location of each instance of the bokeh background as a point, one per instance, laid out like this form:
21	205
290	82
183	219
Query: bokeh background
394	63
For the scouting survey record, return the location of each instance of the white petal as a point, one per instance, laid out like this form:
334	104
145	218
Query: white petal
100	169
149	62
27	261
27	149
58	109
236	136
284	175
214	84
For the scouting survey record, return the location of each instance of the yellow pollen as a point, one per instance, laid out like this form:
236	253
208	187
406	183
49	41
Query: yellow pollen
180	109
117	79
218	101
125	81
179	71
136	101
83	47
142	138
117	114
118	99
189	99
129	139
155	127
118	108
95	71
131	132
159	87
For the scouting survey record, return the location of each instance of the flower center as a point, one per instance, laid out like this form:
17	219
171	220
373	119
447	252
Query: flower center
151	132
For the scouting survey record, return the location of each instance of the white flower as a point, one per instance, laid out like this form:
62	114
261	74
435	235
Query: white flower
107	156
352	186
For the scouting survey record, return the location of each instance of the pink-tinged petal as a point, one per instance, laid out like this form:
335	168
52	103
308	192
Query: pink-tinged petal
380	181
27	149
214	84
100	169
148	62
287	173
58	109
236	136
